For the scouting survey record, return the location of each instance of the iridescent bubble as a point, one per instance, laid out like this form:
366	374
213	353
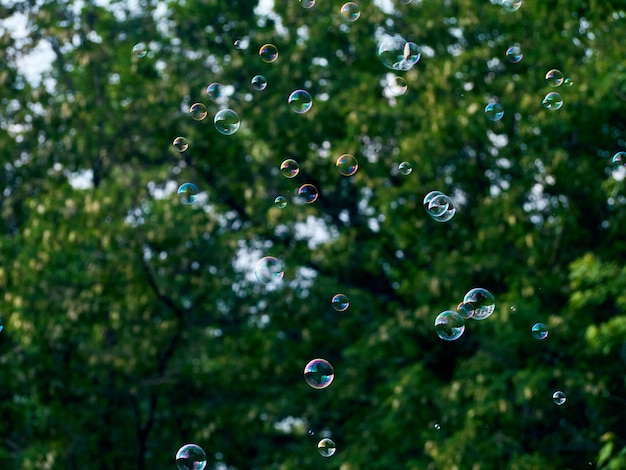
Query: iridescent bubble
307	3
269	270
514	54
466	310
300	101
449	325
268	53
188	193
319	374
511	5
140	50
619	159
559	397
227	121
554	78
308	193
215	91
483	301
280	202
391	53
347	165
411	53
539	331
437	426
350	11
552	101
198	111
441	208
568	82
340	302
180	144
190	457
326	447
405	168
259	82
289	168
494	111
397	86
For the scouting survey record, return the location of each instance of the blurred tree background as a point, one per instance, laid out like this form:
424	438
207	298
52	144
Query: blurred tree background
133	323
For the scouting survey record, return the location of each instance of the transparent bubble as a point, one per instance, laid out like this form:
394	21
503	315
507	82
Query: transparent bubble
347	165
227	121
326	447
198	111
411	53
268	53
307	3
280	202
269	270
190	457
180	144
552	101
259	82
350	11
188	193
568	82
513	309
437	426
514	54
466	310
215	91
319	374
449	325
559	397
554	78
340	302
435	203
238	44
441	208
310	432
300	101
483	301
619	159
391	53
140	50
511	5
539	331
397	86
405	168
308	193
289	168
494	111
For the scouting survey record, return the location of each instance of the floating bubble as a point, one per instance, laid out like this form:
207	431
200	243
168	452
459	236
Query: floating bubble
397	86
494	111
347	165
466	310
483	301
307	3
449	325
350	11
215	91
539	331
514	54
319	374
259	82
326	447
310	432
140	50
391	53
568	82
198	111
180	144
437	426
269	270
190	457
268	53
226	121
289	168
435	204
619	159
308	193
405	168
511	5
340	302
552	101
554	78
188	193
559	397
280	202
300	101
513	309
238	44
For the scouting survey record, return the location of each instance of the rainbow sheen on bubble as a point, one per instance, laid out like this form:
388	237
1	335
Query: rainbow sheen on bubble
449	325
494	111
439	206
347	165
568	82
307	3
326	447
411	53
259	82
405	168
482	300
268	53
394	53
140	50
319	374
350	11
289	168
269	270
552	101
300	101
554	78
180	144
227	121
511	5
514	54
397	86
340	302
559	397
198	111
215	91
539	331
308	193
280	202
188	193
466	310
619	159
190	457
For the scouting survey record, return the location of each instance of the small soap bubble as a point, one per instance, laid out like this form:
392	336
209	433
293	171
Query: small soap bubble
405	168
350	11
514	54
437	426
268	53
215	91
513	309
238	43
326	447
466	310
140	50
340	302
347	165
198	111
391	53
483	301
269	270
188	193
397	86
300	101
411	53
511	5
554	78
319	374
308	193
180	144
494	111
259	82
559	397
280	202
619	159
539	331
568	82
289	168
310	432
227	121
449	325
552	101
307	3
190	457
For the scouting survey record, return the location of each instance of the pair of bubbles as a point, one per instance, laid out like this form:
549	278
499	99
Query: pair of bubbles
349	10
216	90
307	193
439	206
555	78
226	122
478	304
346	164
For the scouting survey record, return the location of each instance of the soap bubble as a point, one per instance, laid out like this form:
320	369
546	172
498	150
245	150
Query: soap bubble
190	457
437	426
559	397
539	331
280	202
483	301
466	310
552	101
238	44
268	53
568	82
307	3
554	77
340	302
198	111
347	165
405	168
259	82
494	111
215	91
449	325
350	11
269	270
227	121
619	159
188	193
180	144
300	101
140	50
391	53
439	206
397	86
319	374
326	447
289	168
308	193
514	54
511	5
